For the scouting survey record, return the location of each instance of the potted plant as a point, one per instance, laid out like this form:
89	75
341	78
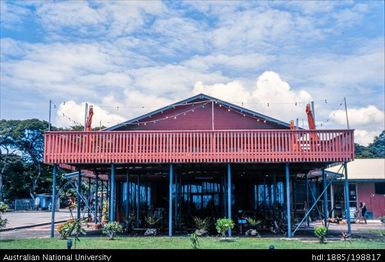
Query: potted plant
202	225
321	232
151	222
110	229
223	225
253	223
65	229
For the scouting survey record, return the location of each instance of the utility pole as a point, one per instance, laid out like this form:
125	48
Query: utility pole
85	115
49	115
346	112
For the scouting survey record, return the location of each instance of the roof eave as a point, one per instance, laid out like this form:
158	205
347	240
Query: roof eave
199	96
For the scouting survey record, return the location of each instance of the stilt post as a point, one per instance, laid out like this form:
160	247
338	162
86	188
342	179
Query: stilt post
112	194
307	199
79	199
101	202
347	204
89	197
53	206
96	198
325	200
288	209
229	194
170	202
127	195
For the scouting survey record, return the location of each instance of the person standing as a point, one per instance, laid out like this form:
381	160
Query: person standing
37	202
363	211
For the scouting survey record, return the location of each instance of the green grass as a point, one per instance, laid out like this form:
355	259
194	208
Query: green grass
184	243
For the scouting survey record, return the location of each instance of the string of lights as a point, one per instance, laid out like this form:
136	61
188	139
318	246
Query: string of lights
65	116
175	116
333	114
202	104
242	103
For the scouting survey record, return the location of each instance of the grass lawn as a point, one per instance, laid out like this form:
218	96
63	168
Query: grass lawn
184	243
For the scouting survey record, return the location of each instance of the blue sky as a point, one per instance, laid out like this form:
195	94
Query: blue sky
127	58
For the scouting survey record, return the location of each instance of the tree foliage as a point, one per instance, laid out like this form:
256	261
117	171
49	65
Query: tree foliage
22	171
373	150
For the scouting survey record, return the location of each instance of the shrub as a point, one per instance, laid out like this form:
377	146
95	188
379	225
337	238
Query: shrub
253	227
253	222
151	221
194	238
65	229
77	230
3	209
321	232
111	229
382	219
224	224
201	225
72	227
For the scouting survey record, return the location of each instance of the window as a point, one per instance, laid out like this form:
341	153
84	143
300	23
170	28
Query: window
379	188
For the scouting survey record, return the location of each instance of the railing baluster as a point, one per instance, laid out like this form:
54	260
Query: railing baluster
199	146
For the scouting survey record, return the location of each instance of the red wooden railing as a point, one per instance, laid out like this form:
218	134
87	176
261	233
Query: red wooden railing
238	146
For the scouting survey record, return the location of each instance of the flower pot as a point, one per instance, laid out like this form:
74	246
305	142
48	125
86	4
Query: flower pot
227	239
151	232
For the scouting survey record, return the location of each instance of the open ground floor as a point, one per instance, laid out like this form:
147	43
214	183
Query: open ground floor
284	198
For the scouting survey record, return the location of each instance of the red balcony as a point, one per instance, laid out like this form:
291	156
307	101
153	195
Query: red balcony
235	146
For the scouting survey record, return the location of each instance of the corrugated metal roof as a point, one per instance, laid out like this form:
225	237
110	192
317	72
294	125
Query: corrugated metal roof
363	169
197	97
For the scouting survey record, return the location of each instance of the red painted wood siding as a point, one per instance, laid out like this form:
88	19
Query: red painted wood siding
200	119
374	202
236	146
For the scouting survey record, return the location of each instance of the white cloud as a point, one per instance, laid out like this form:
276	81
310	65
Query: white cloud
360	117
71	113
179	34
233	91
12	15
110	110
96	19
368	121
271	96
236	63
365	137
171	80
358	76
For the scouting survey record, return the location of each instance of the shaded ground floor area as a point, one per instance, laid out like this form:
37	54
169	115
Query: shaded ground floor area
280	196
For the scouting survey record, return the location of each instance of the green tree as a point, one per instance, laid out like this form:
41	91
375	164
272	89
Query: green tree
374	150
16	182
27	137
22	171
377	148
